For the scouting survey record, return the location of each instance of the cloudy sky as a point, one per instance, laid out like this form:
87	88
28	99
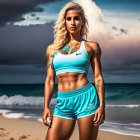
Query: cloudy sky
26	29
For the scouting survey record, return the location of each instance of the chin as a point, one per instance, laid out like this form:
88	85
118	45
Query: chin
73	32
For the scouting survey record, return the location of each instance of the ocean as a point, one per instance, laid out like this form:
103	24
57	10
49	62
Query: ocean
122	105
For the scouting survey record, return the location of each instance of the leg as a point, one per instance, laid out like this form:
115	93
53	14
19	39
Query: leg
61	129
87	129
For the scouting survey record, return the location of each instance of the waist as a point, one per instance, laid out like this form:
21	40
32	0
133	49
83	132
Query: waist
71	83
74	92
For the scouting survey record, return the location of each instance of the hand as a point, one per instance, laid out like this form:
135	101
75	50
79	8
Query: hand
99	116
46	115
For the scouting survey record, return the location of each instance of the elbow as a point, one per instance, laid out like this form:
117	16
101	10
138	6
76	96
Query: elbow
97	77
50	80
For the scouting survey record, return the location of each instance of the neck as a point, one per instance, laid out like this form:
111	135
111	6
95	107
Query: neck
74	38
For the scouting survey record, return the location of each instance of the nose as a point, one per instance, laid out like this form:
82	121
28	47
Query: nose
72	22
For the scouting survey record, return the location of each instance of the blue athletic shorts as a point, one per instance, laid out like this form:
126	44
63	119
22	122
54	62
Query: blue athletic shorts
77	103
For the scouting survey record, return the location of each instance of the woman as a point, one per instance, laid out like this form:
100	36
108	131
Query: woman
69	58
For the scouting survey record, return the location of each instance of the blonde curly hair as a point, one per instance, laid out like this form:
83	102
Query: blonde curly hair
60	31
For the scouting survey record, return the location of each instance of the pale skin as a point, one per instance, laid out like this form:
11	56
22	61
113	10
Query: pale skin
61	128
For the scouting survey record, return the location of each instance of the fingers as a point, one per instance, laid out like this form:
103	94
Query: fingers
47	119
98	119
95	117
44	121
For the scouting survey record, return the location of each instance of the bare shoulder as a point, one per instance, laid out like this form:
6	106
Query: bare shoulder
48	49
94	46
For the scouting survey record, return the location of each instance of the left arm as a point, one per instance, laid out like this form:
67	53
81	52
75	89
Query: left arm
99	81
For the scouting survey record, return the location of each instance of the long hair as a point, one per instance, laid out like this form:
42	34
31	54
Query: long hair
60	31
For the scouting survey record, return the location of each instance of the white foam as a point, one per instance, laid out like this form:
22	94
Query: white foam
117	123
133	128
128	106
9	114
118	132
23	100
37	101
13	115
27	117
122	128
40	120
4	111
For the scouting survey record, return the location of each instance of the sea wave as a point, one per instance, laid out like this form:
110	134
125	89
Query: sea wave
122	128
127	106
120	96
23	100
10	114
19	100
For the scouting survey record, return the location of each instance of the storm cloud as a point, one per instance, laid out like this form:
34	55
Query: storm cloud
25	44
23	48
12	11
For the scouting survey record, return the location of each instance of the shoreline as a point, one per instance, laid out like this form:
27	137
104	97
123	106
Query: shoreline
34	130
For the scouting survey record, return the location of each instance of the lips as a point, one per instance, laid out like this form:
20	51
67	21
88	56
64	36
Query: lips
72	28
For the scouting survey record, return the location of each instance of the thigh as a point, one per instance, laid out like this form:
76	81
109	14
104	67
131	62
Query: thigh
87	103
61	129
87	129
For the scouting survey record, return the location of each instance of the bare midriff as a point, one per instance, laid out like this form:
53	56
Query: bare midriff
71	81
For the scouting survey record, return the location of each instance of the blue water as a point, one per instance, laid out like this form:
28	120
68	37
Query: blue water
122	104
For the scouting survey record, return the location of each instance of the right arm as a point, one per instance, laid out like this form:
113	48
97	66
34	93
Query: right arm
49	87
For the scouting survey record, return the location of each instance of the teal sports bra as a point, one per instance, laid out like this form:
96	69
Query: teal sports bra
75	62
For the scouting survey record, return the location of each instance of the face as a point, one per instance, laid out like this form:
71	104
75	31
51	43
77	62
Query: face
73	21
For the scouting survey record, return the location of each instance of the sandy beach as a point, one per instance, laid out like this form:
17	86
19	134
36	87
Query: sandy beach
21	129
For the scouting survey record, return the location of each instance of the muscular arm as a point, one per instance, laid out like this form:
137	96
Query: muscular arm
98	78
50	81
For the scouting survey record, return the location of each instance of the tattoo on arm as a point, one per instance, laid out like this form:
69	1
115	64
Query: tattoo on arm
97	85
49	64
